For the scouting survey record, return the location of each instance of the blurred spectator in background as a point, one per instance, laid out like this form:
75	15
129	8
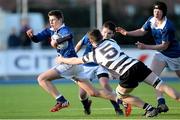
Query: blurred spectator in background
25	41
13	39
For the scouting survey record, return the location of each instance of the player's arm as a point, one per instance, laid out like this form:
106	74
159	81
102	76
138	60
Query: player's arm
31	35
78	46
66	38
73	60
137	32
44	35
160	47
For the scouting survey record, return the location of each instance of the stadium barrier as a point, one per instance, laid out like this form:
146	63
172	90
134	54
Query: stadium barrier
33	62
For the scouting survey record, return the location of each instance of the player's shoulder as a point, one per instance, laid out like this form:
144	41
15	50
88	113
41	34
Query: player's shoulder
150	18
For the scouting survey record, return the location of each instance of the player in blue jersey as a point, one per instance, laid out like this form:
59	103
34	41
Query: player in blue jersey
94	70
61	39
131	71
168	48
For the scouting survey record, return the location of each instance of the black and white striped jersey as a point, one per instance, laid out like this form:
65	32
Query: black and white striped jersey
109	54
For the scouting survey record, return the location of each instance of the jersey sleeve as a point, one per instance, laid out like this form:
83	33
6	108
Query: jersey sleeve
85	40
147	25
44	35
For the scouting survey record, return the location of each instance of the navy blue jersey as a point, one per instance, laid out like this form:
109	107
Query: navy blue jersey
166	32
63	31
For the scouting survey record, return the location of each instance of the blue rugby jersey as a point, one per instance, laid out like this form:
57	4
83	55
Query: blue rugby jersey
166	32
63	31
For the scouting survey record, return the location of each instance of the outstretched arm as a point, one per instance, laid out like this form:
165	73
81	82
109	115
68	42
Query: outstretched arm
31	35
136	33
159	47
73	60
78	46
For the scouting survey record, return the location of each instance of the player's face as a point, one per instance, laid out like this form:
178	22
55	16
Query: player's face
158	14
107	33
54	22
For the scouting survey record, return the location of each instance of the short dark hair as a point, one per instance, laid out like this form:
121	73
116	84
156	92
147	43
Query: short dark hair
110	25
95	35
56	13
162	6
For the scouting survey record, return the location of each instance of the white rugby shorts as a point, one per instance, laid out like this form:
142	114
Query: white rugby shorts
91	72
171	63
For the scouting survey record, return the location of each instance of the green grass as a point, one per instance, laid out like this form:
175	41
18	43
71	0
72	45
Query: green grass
29	101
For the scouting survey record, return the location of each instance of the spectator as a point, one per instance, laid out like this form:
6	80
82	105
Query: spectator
25	41
13	39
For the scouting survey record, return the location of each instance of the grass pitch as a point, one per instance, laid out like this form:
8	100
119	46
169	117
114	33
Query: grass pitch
29	101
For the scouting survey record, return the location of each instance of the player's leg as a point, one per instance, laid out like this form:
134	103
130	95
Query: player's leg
123	93
84	98
104	81
177	73
44	81
86	73
94	92
157	83
157	67
103	77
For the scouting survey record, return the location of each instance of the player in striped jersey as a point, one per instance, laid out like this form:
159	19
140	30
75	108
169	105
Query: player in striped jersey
94	71
131	71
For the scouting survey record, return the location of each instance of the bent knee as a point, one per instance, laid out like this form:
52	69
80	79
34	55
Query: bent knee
41	79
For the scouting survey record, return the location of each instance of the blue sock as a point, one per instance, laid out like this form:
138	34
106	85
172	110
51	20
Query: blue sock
115	105
61	99
161	101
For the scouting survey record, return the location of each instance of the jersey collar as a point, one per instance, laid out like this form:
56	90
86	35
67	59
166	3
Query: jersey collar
158	27
58	28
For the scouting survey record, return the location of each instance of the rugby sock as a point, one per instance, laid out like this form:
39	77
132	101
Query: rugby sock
115	105
161	101
61	99
147	107
85	102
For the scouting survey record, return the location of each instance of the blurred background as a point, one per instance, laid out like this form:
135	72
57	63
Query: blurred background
22	59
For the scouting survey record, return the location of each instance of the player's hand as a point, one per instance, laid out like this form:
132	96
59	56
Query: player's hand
140	45
29	33
59	59
53	43
121	30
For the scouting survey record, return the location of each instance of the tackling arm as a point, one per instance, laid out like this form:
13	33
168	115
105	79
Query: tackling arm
73	60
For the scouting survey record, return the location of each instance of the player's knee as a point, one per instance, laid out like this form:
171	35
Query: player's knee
121	94
40	80
107	87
